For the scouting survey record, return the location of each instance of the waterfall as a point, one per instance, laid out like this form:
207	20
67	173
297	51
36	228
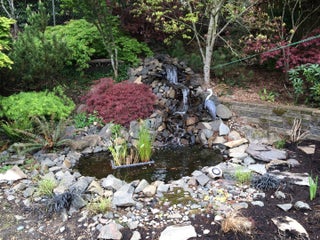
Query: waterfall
185	97
172	74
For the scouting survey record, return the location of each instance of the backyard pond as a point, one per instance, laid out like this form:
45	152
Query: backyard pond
169	164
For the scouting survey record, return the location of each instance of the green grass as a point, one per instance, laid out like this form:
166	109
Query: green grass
100	205
243	176
46	186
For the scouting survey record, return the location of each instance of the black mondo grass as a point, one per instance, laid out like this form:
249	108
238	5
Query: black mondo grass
60	201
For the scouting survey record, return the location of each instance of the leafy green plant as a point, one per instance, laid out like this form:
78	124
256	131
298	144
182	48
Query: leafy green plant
313	187
305	80
46	186
267	96
82	40
48	134
99	205
5	23
119	152
83	119
243	176
20	108
280	144
5	168
144	144
119	146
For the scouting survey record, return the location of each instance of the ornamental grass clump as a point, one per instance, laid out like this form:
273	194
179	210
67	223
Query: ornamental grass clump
100	205
243	176
144	144
46	186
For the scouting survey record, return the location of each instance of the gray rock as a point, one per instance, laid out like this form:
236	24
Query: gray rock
291	226
224	112
135	236
48	162
110	231
301	179
285	207
302	205
258	168
81	185
257	203
142	185
265	153
280	195
202	179
293	162
78	202
239	152
223	129
111	182
149	190
66	178
240	205
123	196
162	187
178	233
248	161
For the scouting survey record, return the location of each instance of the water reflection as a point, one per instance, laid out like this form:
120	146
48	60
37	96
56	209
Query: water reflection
170	164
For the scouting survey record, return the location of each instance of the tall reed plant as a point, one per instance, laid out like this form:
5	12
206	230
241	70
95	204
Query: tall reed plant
313	187
144	144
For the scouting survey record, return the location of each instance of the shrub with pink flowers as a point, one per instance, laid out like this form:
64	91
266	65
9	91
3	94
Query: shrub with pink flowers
120	102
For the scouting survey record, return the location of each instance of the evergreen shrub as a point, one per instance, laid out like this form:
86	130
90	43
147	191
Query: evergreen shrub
24	105
120	103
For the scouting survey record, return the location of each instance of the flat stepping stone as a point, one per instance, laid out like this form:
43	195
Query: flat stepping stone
265	153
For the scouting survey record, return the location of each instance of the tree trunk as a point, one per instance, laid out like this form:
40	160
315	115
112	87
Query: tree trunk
211	38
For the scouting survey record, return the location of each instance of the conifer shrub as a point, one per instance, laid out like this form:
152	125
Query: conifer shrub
25	105
120	103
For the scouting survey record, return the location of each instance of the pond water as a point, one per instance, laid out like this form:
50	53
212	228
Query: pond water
169	164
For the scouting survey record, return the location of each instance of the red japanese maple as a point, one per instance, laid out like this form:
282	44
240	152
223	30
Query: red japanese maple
120	102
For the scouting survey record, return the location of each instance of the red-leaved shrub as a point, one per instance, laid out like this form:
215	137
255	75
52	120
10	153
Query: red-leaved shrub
120	102
293	56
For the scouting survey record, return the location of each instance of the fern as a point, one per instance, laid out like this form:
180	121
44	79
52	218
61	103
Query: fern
48	134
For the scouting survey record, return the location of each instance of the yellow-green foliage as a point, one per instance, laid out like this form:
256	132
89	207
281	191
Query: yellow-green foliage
144	144
243	176
24	105
5	23
100	205
46	186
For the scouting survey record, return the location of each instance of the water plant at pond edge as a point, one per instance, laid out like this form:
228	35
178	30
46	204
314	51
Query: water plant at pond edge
313	187
144	144
119	147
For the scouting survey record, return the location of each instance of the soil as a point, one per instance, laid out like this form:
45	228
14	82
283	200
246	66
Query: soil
52	227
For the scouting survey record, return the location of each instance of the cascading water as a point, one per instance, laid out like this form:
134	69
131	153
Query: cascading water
171	74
